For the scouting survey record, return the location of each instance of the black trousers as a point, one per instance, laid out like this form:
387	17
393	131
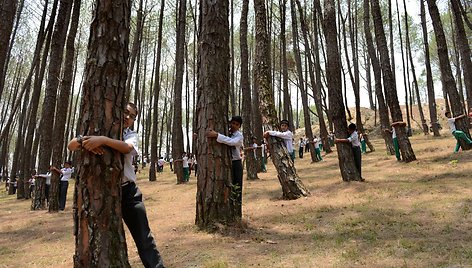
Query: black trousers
300	152
63	194
134	215
356	150
237	170
46	192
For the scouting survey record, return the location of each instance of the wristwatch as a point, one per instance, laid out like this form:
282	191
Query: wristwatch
80	139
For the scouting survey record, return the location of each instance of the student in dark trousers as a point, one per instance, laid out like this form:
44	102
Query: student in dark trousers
353	139
235	141
132	205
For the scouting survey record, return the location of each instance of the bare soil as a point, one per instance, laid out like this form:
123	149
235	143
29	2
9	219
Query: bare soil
412	215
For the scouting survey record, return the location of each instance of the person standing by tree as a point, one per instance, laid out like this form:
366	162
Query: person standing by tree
301	145
395	139
235	141
356	150
317	144
457	133
284	134
66	173
132	205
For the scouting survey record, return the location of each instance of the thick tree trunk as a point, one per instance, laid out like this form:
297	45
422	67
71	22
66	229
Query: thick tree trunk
292	186
215	203
447	79
251	161
301	82
156	90
49	103
429	77
7	13
62	106
177	134
100	239
390	89
348	169
464	49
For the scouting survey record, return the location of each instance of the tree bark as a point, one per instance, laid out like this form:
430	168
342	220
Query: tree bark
100	239
177	135
447	80
62	106
251	162
215	203
288	113
292	186
429	77
349	171
7	13
156	90
390	89
464	49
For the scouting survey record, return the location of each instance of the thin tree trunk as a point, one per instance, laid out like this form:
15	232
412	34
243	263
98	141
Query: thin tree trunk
177	135
429	77
251	162
135	48
287	103
392	99
7	13
292	186
100	238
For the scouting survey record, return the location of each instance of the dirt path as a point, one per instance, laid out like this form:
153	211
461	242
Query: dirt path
416	215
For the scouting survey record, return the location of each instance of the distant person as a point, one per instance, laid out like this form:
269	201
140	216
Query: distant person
457	133
307	145
66	173
301	146
284	134
395	139
234	141
316	144
47	177
353	139
185	166
132	205
160	164
363	144
171	162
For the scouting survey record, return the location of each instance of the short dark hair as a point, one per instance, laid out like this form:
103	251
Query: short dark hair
447	113
352	126
132	105
237	118
284	121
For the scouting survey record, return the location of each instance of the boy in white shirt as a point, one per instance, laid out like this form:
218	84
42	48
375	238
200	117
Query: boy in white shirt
284	134
457	133
356	150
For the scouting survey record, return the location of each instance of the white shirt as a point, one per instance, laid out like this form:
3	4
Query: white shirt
185	162
317	143
354	139
254	145
394	134
47	176
160	162
66	174
301	143
287	136
131	138
235	141
452	124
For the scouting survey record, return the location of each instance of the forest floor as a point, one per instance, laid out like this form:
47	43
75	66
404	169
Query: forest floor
410	215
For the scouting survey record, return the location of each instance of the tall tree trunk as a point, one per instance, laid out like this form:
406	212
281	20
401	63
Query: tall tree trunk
49	103
292	186
7	13
100	238
429	77
156	89
251	164
415	82
447	80
390	89
135	48
348	169
62	105
301	84
464	49
177	135
215	204
287	114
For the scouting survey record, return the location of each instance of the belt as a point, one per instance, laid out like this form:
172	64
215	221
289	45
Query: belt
126	183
